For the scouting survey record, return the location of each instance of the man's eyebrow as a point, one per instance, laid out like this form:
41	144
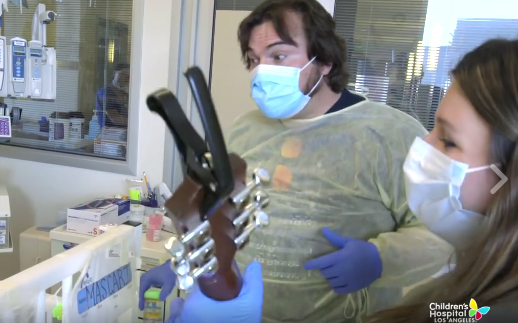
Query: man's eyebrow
281	42
445	123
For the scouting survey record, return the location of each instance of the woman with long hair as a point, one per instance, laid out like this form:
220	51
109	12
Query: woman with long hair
452	184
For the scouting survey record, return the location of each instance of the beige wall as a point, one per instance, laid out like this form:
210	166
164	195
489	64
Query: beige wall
230	85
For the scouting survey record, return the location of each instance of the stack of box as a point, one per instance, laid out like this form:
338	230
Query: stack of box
86	218
111	142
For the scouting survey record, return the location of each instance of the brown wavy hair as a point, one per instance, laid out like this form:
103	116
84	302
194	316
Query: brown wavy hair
488	271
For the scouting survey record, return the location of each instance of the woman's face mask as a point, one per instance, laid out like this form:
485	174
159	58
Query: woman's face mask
433	186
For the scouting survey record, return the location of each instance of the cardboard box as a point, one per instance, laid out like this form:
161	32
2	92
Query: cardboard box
87	217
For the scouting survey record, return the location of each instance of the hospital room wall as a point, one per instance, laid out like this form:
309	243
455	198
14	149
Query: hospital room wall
230	85
37	191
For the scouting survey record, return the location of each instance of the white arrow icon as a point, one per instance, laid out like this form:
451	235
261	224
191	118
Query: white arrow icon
503	178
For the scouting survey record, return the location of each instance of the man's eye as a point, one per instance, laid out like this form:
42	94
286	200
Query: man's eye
279	57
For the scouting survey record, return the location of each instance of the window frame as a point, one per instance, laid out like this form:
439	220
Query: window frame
192	34
127	167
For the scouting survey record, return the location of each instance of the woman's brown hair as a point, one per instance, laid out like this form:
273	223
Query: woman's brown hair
488	270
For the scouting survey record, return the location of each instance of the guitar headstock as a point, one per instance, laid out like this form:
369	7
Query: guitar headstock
215	209
209	246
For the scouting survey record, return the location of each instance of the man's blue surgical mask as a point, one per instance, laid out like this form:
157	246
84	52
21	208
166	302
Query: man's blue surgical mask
276	90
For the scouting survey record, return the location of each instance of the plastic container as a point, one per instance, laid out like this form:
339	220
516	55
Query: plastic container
137	215
136	190
154	226
153	307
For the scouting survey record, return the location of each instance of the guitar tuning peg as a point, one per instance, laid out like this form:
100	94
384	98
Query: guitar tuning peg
260	176
182	268
262	199
175	248
179	264
208	161
185	282
261	219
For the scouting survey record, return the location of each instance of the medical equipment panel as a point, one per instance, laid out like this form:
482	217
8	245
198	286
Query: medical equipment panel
35	66
42	71
28	68
5	127
18	67
6	244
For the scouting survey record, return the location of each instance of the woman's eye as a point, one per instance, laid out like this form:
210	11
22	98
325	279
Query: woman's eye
447	143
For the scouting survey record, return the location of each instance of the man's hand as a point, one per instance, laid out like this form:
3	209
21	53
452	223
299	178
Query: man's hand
354	267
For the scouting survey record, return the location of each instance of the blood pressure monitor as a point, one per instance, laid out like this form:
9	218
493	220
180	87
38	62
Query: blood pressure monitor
5	127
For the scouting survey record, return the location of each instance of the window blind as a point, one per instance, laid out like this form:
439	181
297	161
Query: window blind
241	5
90	38
401	51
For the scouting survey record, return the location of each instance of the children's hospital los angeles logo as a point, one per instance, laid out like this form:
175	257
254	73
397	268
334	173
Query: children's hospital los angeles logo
463	313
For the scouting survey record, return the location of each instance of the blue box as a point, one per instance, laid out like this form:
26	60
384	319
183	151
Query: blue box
124	205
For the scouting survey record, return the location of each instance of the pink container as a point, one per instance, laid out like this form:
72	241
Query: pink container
154	227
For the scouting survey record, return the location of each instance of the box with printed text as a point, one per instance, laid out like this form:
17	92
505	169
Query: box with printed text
87	217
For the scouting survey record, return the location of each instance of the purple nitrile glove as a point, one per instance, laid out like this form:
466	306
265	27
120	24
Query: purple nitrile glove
160	277
354	267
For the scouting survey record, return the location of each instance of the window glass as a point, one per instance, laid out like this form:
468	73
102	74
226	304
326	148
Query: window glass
89	116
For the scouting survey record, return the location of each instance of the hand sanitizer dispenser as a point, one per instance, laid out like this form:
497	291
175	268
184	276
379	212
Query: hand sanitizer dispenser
6	244
94	127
